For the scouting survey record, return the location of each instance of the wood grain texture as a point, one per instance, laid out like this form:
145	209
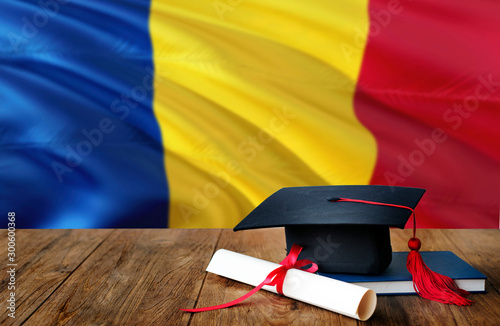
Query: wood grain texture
44	258
143	277
480	249
477	247
136	277
263	308
266	308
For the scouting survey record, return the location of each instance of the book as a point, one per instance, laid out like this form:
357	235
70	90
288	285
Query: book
396	279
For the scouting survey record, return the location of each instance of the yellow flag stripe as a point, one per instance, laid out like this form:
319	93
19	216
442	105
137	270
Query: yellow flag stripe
253	96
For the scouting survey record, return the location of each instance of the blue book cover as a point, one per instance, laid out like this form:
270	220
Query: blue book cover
397	280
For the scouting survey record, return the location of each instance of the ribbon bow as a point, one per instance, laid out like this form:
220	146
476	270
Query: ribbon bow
275	278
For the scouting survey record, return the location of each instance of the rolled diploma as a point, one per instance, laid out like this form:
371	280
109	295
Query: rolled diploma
341	297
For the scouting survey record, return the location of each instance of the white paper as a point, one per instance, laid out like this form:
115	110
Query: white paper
341	297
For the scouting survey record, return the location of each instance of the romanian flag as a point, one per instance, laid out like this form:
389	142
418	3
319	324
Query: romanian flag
188	114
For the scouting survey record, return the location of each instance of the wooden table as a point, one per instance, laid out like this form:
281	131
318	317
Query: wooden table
143	276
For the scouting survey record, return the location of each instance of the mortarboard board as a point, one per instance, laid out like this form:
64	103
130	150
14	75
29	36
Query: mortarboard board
340	236
345	229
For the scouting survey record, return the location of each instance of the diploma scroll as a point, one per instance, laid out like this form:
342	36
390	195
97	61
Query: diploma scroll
340	297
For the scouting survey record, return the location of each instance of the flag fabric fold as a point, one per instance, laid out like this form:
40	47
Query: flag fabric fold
187	114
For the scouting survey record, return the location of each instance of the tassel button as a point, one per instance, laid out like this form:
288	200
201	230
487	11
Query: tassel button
414	244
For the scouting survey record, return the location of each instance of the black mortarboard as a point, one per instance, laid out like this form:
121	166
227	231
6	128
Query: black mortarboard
340	236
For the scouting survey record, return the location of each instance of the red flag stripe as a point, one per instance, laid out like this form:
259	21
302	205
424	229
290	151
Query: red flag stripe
429	90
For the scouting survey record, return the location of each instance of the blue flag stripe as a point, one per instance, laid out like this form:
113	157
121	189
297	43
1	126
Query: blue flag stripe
81	147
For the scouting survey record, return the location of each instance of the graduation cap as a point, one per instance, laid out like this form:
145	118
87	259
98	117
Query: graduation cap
340	236
345	229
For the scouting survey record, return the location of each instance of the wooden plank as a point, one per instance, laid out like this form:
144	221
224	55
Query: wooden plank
136	277
145	276
44	258
478	248
263	308
266	308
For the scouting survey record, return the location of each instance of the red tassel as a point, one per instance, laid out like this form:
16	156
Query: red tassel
427	284
431	285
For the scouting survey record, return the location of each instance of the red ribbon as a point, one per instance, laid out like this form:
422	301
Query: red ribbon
275	278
